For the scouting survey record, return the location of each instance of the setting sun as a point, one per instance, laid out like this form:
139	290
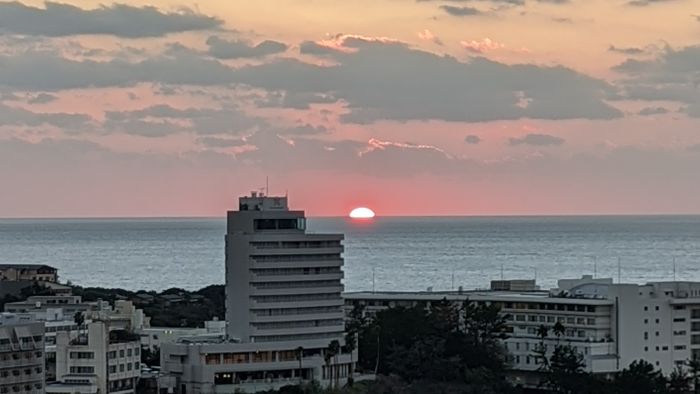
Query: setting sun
362	213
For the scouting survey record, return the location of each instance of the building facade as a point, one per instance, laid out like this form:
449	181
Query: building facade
99	360
21	356
610	324
284	307
28	272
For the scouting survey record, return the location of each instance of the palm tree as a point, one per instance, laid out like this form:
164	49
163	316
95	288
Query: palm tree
333	351
79	320
300	355
559	330
350	346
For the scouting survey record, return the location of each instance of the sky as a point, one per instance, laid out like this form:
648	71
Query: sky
427	107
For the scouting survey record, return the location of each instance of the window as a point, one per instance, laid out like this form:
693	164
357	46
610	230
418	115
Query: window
646	308
82	370
646	335
213	358
656	308
681	332
679	347
128	352
82	355
121	353
591	321
695	326
695	313
679	319
657	321
646	321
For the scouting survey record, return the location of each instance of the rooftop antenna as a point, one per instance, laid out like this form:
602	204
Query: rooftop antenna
453	280
595	267
501	271
267	185
373	274
674	268
535	274
619	269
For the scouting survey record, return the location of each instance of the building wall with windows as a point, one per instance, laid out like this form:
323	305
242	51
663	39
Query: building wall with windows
97	360
28	272
21	356
611	325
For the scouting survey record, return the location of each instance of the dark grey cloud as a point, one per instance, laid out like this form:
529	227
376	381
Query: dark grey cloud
11	116
472	139
301	100
460	11
381	80
48	71
672	75
536	140
162	120
649	111
236	49
376	79
122	20
627	50
645	3
312	48
42	98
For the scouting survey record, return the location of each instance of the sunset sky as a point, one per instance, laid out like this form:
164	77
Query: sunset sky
428	107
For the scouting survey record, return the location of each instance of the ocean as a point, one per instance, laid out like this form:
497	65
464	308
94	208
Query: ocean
391	253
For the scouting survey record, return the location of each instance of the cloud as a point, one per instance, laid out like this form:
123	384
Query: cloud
472	139
427	35
225	49
649	111
483	46
121	20
672	75
11	116
42	98
162	120
644	3
460	11
300	100
217	142
387	80
627	51
536	140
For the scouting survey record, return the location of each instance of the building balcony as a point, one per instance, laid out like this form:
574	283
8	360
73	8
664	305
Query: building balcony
296	304
297	291
330	262
254	278
296	317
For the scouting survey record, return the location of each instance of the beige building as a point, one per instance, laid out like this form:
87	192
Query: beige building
28	272
21	356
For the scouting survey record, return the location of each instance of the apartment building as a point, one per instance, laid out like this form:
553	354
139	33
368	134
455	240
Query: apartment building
283	307
21	356
28	272
99	360
610	324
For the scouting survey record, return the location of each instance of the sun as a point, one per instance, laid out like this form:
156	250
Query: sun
362	213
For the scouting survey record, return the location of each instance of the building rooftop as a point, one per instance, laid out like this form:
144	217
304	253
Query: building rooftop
27	266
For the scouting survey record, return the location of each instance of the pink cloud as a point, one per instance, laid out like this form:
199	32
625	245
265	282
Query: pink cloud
427	35
483	46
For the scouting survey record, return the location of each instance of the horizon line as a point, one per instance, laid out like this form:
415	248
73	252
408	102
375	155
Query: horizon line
508	215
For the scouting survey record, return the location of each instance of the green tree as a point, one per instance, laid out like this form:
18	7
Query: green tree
640	377
678	381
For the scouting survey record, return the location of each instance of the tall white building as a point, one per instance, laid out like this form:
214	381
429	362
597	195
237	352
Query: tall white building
21	356
283	307
282	284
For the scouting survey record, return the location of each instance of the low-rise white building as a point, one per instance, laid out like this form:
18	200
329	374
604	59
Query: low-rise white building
610	324
21	356
99	360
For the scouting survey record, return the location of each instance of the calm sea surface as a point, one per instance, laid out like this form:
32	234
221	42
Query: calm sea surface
400	253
